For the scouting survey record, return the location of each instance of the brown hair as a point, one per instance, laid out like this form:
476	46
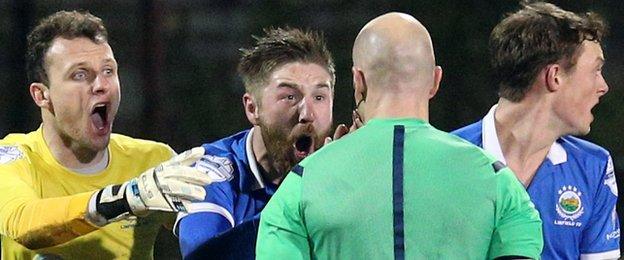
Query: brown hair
278	47
539	34
65	24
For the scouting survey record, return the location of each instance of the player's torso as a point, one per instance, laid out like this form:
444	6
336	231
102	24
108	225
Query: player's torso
124	239
563	195
352	205
247	202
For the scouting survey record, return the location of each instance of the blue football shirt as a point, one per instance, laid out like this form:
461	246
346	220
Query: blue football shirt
227	204
574	190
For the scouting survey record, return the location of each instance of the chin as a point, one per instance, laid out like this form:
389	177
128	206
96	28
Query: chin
581	131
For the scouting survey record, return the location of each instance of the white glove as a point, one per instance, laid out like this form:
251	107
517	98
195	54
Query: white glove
170	186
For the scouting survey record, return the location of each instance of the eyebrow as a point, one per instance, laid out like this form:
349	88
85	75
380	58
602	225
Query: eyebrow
323	85
293	85
80	64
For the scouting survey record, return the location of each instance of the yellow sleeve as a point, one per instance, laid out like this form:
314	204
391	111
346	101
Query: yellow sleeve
34	222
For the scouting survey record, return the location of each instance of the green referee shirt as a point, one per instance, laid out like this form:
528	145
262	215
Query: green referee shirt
399	188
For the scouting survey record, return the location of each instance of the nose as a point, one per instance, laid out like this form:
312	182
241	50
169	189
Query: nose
101	84
306	111
604	87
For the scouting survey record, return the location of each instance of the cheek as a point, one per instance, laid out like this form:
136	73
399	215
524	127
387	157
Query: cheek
116	97
68	105
324	115
277	115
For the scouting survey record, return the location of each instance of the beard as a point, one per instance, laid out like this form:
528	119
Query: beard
279	142
76	139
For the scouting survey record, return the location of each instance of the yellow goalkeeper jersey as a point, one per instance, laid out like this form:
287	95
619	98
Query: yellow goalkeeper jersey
43	202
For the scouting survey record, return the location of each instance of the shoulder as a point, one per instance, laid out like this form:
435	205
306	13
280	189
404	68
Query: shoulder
17	138
591	161
471	133
226	159
28	142
11	153
583	149
463	153
226	153
18	147
16	158
135	146
441	146
231	145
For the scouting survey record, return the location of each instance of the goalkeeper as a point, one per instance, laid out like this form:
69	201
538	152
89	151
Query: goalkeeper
64	189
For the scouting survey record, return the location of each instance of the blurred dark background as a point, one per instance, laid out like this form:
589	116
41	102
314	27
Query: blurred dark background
178	60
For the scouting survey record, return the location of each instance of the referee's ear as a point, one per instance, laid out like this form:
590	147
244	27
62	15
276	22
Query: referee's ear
251	109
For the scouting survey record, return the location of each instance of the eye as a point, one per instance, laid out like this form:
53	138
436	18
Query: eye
319	98
290	97
108	71
80	75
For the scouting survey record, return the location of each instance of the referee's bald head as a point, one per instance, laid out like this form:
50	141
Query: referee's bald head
395	48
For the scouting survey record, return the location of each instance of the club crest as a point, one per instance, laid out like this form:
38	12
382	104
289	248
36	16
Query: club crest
569	205
9	154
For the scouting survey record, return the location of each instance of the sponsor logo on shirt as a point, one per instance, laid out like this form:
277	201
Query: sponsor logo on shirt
613	235
9	154
569	206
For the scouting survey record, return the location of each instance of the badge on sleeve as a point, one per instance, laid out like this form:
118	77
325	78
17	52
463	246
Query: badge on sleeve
9	153
218	168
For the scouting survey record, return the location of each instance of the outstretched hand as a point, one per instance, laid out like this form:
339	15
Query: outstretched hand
342	130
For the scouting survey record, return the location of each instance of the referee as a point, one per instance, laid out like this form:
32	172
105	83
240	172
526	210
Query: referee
398	187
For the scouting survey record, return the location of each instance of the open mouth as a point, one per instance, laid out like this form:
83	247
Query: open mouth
304	146
99	116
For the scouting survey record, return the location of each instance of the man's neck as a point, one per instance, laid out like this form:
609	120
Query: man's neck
392	106
267	170
525	133
67	152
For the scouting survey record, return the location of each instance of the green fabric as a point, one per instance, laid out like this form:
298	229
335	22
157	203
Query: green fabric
455	205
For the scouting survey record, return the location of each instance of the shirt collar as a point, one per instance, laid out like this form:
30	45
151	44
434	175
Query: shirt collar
556	154
253	164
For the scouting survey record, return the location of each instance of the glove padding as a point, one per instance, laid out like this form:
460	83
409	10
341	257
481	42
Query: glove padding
170	186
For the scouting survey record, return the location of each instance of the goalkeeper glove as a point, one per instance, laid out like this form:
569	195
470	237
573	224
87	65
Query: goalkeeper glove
170	186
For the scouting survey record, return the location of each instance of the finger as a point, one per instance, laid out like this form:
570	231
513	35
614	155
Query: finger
188	157
352	128
356	124
182	190
186	174
218	171
341	130
327	140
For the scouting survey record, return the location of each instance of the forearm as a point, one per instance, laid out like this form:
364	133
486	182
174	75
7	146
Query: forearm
236	243
46	222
